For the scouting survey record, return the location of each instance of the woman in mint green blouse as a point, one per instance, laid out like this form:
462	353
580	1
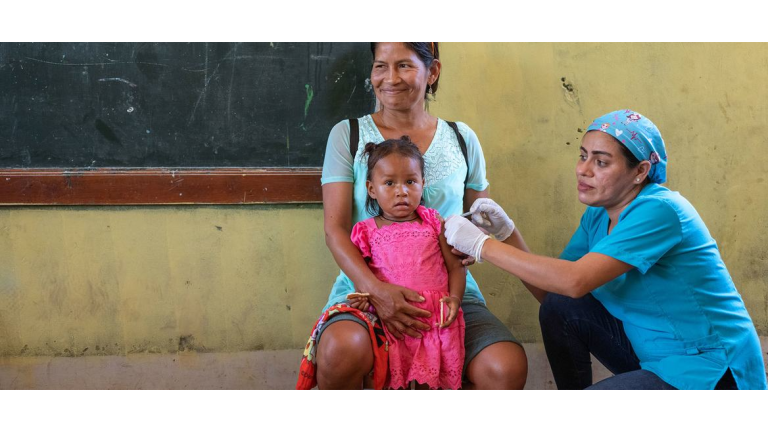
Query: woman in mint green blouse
641	285
402	76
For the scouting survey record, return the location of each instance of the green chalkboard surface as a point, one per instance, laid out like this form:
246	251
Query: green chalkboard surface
147	105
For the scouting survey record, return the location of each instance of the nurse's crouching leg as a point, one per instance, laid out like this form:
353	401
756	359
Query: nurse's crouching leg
574	328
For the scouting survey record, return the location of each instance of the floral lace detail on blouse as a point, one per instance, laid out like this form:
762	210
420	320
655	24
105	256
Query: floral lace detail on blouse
443	157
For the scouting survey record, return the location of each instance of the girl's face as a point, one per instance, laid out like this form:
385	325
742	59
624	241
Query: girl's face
604	178
397	185
399	77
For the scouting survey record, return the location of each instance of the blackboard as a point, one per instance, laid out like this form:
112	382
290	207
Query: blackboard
149	105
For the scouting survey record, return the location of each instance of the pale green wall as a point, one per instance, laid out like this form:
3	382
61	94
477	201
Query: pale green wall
136	279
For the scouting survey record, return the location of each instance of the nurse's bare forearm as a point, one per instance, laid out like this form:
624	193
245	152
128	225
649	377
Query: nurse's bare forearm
569	278
516	240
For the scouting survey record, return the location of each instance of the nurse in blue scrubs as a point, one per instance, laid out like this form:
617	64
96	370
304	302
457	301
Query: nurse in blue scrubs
641	285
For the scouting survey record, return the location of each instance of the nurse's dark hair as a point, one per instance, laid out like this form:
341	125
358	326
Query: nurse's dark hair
428	52
629	158
376	152
632	161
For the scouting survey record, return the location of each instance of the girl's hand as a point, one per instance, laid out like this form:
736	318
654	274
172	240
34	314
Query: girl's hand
453	303
359	301
360	304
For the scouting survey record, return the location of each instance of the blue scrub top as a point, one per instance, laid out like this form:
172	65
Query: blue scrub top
679	306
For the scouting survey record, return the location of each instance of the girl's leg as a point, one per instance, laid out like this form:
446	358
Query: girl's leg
574	328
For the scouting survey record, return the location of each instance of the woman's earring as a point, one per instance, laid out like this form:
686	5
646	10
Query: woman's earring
429	88
637	180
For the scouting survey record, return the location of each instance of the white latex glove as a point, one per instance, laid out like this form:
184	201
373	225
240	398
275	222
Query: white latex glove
462	235
489	215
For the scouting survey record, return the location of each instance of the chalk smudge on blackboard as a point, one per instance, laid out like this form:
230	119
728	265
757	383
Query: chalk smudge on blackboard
203	91
231	84
310	95
106	131
122	80
94	64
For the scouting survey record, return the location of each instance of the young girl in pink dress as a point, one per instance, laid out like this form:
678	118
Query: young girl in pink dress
404	245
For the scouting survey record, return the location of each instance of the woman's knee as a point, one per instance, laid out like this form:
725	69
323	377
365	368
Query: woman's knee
344	351
502	365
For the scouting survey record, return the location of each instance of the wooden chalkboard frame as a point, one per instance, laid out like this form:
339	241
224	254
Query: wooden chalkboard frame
159	186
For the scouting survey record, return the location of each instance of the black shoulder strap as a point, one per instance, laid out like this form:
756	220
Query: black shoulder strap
463	146
354	137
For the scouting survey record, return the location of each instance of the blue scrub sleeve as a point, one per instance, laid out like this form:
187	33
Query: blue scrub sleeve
337	164
579	244
475	159
647	230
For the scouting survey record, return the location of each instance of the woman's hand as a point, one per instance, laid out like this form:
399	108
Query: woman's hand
466	260
395	312
453	304
464	236
489	215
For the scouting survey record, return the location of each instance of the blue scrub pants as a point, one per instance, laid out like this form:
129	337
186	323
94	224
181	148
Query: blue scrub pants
574	328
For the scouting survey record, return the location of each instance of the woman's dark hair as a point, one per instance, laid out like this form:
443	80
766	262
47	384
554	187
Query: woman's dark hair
375	152
632	161
427	52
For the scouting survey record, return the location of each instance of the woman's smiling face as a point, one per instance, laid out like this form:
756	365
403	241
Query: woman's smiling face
399	77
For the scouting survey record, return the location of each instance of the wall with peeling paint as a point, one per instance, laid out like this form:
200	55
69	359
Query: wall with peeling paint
105	281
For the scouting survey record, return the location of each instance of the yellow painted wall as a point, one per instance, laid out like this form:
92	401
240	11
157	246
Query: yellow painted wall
708	100
105	280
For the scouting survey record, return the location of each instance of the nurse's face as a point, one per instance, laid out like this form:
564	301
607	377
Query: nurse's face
604	177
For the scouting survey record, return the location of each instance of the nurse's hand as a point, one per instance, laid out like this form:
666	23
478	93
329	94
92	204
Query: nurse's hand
467	238
489	215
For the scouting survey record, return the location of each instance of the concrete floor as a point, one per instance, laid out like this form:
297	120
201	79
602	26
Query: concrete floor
263	370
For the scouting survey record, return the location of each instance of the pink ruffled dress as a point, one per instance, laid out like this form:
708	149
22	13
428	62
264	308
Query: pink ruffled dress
408	254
